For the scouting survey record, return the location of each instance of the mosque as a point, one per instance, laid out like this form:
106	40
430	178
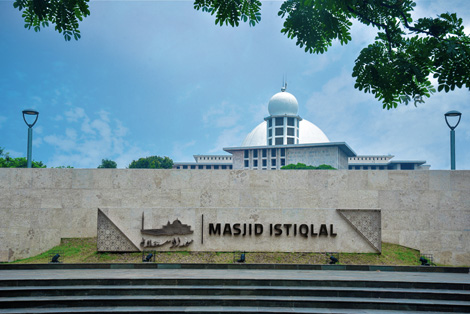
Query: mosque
285	138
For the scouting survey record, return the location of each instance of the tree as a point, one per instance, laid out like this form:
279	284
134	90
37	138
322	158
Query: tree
396	67
301	166
152	162
20	162
65	14
107	163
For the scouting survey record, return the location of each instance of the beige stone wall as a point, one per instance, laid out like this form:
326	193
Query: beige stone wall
426	210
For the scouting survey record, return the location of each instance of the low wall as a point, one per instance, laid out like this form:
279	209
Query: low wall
426	210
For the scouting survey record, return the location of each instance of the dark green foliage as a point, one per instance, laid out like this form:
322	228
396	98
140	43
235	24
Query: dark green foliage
107	163
63	167
64	14
231	11
396	69
301	166
315	24
397	66
20	162
152	162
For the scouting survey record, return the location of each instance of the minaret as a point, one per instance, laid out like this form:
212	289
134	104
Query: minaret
283	121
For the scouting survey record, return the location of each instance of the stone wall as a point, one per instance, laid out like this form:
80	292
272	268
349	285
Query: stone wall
426	210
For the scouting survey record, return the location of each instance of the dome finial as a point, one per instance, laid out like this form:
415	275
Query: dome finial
284	84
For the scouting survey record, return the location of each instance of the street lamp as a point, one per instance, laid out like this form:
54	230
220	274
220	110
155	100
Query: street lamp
34	113
452	113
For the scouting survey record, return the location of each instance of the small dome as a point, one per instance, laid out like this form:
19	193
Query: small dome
283	103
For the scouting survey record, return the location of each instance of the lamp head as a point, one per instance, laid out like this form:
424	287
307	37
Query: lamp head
424	261
55	258
30	112
148	258
453	113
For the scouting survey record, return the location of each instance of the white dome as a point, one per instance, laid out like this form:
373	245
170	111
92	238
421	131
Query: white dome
257	137
283	103
308	133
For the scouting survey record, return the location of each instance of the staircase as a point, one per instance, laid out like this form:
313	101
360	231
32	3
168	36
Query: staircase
225	294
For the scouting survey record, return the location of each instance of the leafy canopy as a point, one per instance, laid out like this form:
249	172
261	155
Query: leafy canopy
20	162
64	14
107	163
396	68
152	162
301	166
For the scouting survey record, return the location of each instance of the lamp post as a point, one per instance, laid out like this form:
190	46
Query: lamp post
30	112
452	113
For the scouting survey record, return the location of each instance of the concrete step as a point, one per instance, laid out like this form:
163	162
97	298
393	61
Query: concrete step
234	282
202	310
358	292
235	301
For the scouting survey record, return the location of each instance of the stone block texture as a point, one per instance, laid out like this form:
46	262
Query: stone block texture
428	211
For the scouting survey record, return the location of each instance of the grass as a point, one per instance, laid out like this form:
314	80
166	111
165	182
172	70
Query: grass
73	250
83	250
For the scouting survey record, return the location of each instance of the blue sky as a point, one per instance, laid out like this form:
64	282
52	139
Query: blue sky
159	78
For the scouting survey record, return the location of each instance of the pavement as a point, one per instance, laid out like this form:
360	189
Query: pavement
233	274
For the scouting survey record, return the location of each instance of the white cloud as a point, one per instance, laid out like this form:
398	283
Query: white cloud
222	116
229	138
75	114
321	62
186	94
180	152
36	100
86	141
120	129
406	132
131	153
232	123
39	129
71	133
57	118
62	143
37	142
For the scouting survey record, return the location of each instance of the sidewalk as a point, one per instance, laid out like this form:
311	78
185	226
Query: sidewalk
233	274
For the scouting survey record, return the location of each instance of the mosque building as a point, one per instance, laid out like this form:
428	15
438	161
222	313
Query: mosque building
285	138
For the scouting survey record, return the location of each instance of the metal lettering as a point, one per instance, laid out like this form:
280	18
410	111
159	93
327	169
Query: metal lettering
303	230
236	229
258	229
312	230
287	227
227	229
323	230
277	228
332	234
214	230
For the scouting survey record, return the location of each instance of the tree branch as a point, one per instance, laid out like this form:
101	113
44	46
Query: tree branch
384	26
